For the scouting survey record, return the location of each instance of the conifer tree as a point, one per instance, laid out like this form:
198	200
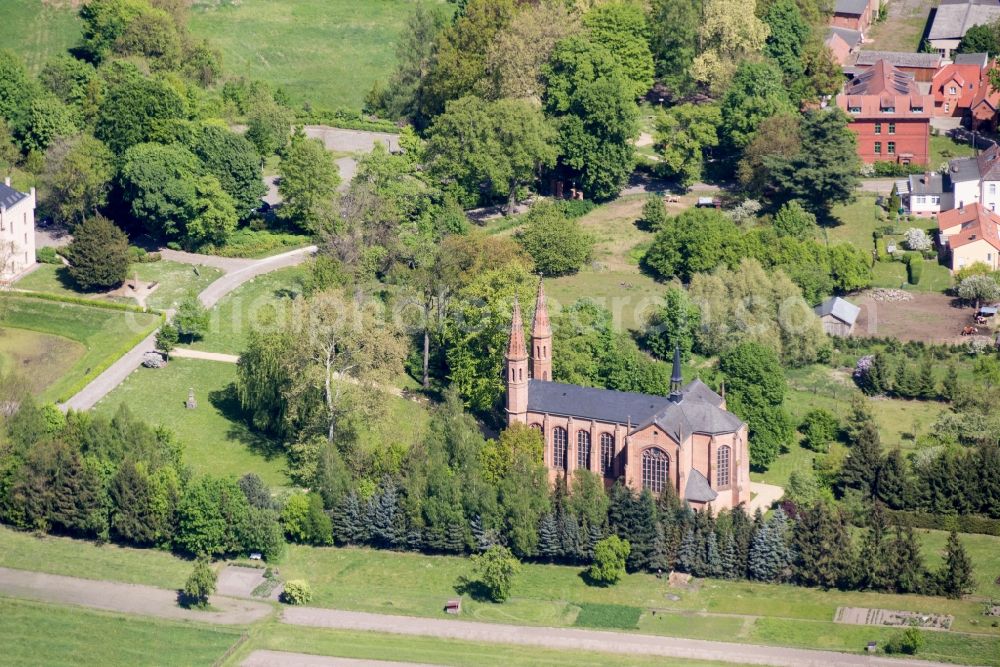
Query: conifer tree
905	561
950	386
382	514
892	485
859	415
714	567
595	535
906	384
926	384
548	537
860	469
822	548
742	529
955	577
570	544
644	530
770	555
659	558
687	556
874	567
730	570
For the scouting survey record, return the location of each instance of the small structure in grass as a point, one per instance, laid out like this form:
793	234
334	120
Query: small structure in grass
191	403
453	606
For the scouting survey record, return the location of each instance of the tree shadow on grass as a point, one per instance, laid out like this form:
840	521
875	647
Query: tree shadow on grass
590	581
474	589
225	401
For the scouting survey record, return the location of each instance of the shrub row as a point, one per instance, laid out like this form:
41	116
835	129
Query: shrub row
251	243
962	523
78	300
346	119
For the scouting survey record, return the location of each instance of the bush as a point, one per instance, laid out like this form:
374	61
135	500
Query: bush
886	168
575	208
914	267
247	242
47	255
137	255
496	568
297	591
98	255
909	642
557	244
200	585
916	239
609	560
819	427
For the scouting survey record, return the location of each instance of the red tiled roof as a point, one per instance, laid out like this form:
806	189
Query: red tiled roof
986	94
977	224
883	87
967	81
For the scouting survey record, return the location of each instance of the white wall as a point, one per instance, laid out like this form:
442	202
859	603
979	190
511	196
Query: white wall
966	193
17	236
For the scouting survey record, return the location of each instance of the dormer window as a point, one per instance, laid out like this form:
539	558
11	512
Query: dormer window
854	109
953	91
888	109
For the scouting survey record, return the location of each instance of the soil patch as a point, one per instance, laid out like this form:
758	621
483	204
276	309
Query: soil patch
927	317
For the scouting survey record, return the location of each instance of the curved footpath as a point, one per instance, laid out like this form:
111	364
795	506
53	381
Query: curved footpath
237	272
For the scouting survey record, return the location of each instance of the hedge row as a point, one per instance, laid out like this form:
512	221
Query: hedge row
78	300
346	119
962	523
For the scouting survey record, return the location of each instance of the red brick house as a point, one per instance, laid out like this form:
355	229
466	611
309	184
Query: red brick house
985	103
889	115
854	14
955	86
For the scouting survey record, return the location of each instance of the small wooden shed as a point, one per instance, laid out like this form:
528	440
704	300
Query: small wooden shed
838	316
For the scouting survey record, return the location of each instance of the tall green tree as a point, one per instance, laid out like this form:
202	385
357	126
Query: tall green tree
557	243
620	26
756	386
825	171
160	184
309	179
234	161
822	546
955	576
674	41
490	148
756	93
594	110
98	254
684	133
860	470
77	177
788	36
673	325
133	107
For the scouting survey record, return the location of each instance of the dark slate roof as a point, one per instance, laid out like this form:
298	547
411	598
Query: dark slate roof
964	169
9	196
980	59
591	403
852	7
928	184
900	58
699	410
698	489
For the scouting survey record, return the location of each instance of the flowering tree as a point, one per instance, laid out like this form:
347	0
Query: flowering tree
917	239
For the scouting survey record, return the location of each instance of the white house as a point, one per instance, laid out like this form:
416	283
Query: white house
977	179
926	194
17	231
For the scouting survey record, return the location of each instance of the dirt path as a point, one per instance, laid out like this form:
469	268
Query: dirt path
184	353
237	272
765	495
285	659
126	598
588	640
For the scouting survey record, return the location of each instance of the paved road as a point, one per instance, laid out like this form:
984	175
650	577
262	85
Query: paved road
285	659
588	640
126	598
882	186
237	272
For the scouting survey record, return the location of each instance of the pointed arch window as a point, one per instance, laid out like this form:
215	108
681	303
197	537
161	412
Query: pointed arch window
608	454
559	446
583	449
722	458
655	469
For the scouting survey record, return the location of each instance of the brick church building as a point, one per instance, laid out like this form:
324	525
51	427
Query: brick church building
687	439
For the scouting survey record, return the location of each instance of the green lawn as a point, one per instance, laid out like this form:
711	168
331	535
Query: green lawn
89	560
944	148
427	650
327	52
214	441
40	358
38	30
104	334
43	634
903	29
175	282
262	300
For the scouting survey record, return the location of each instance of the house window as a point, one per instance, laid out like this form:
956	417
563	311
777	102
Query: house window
935	200
854	109
947	106
917	109
892	148
953	91
559	446
993	188
892	128
582	449
655	469
722	466
607	454
878	128
878	147
889	110
918	200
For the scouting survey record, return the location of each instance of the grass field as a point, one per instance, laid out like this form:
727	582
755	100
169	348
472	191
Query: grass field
38	30
175	282
44	634
903	28
262	300
39	358
103	334
214	441
426	650
325	52
944	148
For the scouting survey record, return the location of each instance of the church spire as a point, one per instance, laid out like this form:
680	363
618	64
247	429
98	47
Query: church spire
541	338
517	370
675	377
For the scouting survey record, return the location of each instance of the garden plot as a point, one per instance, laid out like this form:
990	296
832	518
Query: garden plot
892	618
